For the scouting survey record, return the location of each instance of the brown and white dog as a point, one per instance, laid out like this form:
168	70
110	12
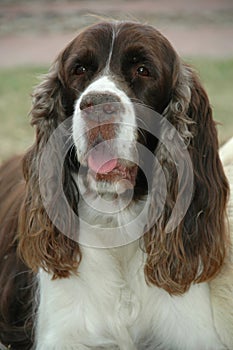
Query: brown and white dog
87	260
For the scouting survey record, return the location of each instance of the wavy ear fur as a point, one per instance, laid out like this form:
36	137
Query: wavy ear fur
40	242
194	252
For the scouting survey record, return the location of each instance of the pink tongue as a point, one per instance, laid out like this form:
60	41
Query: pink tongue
100	160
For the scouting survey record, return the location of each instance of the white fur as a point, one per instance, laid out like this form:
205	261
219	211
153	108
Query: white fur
109	305
126	136
127	130
107	222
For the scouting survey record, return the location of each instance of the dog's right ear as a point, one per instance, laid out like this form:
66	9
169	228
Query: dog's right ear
41	244
53	99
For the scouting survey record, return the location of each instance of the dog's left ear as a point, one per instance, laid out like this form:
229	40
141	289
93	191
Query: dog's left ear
195	250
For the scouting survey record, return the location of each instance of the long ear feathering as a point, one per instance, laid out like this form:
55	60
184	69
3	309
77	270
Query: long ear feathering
195	250
41	244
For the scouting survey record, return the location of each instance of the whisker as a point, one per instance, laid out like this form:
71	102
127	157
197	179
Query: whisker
143	122
142	133
70	140
76	90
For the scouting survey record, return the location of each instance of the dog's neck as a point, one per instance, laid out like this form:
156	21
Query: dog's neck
108	220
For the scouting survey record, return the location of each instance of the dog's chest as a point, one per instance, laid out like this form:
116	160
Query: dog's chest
109	305
115	276
117	288
138	316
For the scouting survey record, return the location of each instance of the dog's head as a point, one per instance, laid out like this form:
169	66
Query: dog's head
105	72
107	81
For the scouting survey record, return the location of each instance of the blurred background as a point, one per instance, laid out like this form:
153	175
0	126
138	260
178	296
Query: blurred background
33	32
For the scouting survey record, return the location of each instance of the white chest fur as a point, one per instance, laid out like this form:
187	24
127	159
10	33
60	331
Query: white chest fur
109	305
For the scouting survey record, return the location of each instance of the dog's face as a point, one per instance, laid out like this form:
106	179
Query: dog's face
110	67
99	80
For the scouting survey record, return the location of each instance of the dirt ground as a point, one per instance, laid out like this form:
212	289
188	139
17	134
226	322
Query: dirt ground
33	32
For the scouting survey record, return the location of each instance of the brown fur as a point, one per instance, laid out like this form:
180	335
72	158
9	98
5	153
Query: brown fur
194	252
16	280
196	249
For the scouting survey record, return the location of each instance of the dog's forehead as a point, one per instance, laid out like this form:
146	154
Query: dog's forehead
106	35
111	45
99	36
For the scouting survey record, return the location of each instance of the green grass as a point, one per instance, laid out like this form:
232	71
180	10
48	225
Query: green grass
16	84
217	78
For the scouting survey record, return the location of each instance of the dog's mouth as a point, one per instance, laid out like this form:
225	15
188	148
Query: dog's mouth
104	165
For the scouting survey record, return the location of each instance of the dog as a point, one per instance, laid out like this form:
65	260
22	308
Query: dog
114	230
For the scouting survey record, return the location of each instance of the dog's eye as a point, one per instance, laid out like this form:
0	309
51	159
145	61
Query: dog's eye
80	70
143	71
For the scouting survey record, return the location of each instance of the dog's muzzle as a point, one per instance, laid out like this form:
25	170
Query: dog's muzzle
108	151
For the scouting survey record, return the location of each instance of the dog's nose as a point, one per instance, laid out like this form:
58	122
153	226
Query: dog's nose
100	104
